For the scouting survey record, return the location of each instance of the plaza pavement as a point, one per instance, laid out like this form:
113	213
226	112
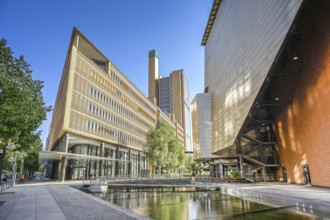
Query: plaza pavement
51	201
306	199
60	201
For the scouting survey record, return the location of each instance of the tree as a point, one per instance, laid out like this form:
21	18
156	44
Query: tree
22	108
195	167
31	159
163	149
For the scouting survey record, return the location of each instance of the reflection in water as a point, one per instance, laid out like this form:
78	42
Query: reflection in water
164	204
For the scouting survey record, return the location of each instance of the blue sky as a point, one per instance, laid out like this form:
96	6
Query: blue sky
123	30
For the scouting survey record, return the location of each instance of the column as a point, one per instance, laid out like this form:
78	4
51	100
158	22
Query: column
139	165
66	142
129	162
117	162
241	166
62	169
58	175
264	174
101	162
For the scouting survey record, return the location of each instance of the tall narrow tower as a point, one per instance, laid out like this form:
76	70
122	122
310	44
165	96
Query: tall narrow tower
171	95
153	90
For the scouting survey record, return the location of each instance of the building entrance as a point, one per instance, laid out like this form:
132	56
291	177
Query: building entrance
307	177
285	177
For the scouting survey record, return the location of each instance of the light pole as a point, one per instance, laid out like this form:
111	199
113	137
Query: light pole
13	180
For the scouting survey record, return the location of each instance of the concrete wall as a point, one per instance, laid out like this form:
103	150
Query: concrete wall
304	126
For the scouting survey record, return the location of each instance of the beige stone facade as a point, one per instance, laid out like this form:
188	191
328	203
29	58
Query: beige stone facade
100	112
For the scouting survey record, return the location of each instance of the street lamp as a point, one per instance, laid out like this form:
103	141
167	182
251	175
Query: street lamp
13	179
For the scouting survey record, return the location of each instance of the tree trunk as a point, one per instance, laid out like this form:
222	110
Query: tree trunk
2	159
13	178
21	168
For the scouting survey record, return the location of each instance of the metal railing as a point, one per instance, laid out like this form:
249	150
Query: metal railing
5	186
157	179
199	181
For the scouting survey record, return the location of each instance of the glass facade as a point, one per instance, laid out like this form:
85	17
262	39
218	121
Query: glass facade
116	163
165	92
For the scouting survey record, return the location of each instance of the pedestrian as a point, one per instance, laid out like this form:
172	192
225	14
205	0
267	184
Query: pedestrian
22	178
4	178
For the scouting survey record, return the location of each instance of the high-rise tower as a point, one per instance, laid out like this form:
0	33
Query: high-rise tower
171	93
153	91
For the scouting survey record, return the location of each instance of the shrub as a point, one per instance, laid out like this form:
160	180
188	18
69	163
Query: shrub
234	174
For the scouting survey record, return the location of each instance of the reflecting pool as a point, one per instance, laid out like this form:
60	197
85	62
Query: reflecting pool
181	204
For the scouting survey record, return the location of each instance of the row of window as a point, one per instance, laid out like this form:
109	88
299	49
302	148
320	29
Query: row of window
84	67
124	86
117	107
79	122
122	96
165	100
165	95
113	119
115	135
164	88
111	88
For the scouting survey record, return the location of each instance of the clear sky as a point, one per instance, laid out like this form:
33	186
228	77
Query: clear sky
124	31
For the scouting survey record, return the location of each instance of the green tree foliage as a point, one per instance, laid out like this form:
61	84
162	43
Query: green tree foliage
189	158
22	108
31	161
233	174
29	157
195	167
163	149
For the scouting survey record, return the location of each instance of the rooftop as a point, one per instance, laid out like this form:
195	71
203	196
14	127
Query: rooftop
212	17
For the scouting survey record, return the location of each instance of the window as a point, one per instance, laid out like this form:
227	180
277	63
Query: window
101	64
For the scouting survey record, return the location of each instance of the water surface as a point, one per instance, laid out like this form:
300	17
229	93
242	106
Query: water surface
164	204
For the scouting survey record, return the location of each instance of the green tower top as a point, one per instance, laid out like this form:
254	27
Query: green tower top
153	53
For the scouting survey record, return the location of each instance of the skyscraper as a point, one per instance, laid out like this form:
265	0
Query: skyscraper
153	83
171	93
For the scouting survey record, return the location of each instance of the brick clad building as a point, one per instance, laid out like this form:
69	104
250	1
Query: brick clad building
267	67
303	127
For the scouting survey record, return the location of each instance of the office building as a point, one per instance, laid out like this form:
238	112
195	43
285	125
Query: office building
267	69
171	93
100	118
202	127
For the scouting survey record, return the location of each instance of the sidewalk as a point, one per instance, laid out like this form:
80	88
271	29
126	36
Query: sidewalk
29	202
53	201
305	198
